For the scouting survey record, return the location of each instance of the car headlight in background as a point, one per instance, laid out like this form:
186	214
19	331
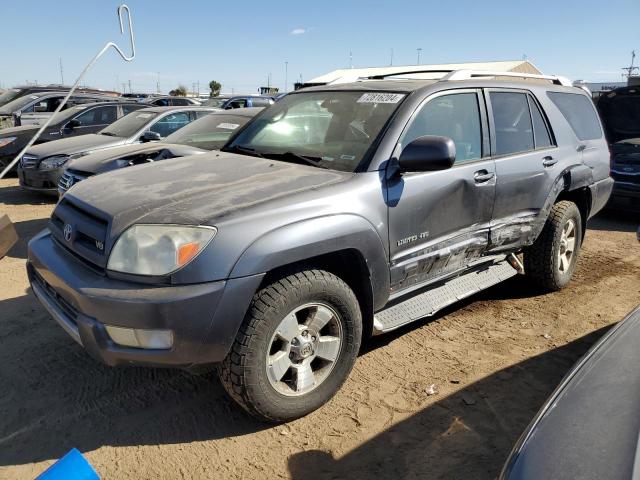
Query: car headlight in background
52	163
158	249
6	141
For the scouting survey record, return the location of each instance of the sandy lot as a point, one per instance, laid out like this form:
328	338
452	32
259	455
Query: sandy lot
493	359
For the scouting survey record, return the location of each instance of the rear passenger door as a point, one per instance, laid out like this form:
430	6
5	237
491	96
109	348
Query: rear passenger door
526	160
439	221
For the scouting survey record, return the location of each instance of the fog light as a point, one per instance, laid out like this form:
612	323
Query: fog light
138	338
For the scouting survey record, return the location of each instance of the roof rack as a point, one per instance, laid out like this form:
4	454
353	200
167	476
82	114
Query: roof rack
467	74
457	75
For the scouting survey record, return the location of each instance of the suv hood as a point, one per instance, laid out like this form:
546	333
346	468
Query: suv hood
194	190
119	157
71	145
22	130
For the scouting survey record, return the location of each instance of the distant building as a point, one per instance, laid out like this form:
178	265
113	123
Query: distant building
352	74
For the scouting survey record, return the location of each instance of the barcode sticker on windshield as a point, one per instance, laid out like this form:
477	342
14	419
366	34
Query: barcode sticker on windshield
379	97
228	126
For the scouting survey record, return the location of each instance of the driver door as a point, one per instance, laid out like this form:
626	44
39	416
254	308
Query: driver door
439	221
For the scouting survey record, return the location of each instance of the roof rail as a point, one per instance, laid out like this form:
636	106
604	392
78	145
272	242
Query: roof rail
468	74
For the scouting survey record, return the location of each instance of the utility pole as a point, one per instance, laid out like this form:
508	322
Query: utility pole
631	69
124	87
286	75
419	54
198	89
158	83
130	87
350	59
391	62
61	72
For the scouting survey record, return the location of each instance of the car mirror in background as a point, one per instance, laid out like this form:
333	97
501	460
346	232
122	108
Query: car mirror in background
150	136
71	124
428	153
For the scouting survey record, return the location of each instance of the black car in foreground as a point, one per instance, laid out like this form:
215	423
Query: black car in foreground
588	429
74	121
208	133
41	166
620	113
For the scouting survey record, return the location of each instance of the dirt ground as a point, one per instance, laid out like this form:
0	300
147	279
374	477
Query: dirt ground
493	360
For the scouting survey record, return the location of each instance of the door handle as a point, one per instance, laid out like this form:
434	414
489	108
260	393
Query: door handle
548	161
482	176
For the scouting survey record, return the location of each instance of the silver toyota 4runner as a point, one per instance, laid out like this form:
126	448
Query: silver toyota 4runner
339	212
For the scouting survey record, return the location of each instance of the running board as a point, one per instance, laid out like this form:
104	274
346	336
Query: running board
429	302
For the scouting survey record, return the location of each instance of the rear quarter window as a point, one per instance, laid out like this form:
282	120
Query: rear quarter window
579	112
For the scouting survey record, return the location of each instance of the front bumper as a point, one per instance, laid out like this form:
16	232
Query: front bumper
39	180
204	318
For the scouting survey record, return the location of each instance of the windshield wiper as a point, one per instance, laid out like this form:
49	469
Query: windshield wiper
244	150
284	156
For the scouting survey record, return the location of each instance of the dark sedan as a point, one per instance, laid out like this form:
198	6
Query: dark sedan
74	121
41	166
588	429
620	113
208	133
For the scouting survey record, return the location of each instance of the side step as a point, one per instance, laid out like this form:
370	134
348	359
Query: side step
429	302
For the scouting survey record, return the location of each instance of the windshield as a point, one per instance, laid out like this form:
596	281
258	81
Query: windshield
9	95
18	104
129	124
215	102
621	116
210	132
328	129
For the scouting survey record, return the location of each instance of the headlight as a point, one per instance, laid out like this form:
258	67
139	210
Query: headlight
53	162
6	141
158	249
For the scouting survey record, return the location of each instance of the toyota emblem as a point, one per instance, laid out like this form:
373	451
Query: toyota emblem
67	232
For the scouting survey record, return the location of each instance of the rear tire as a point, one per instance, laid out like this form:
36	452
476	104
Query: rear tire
296	346
551	260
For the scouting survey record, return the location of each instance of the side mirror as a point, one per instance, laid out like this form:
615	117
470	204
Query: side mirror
73	123
427	154
150	136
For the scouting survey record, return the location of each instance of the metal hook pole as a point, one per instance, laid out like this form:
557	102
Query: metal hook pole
77	82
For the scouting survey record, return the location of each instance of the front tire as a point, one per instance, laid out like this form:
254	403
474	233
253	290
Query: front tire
296	346
551	260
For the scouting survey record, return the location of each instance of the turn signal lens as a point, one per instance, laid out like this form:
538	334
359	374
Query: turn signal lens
187	251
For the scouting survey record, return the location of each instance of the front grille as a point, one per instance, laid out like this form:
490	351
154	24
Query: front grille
70	178
80	231
29	162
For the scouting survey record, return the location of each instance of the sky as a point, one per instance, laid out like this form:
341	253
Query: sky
245	44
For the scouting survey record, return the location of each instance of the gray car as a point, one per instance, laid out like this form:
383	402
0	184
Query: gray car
208	133
588	428
339	212
41	166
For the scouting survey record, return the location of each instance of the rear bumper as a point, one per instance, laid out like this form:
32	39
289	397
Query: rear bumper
204	318
625	196
39	180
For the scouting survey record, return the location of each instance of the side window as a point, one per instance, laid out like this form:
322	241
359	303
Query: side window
201	113
261	102
172	122
180	101
162	102
127	109
239	103
87	117
106	115
512	122
541	135
580	112
456	116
